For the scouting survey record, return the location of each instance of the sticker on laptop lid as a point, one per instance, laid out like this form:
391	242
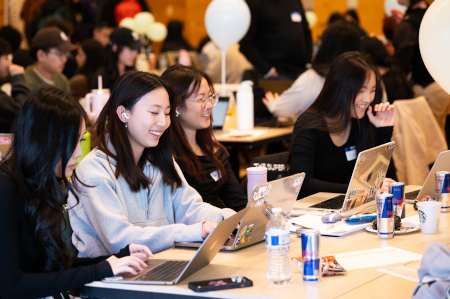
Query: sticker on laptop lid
262	192
5	140
389	146
350	153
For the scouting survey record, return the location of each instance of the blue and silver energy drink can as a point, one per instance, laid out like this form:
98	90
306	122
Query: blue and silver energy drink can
312	268
385	216
398	191
442	188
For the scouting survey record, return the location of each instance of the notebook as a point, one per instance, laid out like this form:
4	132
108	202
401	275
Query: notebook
278	193
442	164
368	175
5	144
169	272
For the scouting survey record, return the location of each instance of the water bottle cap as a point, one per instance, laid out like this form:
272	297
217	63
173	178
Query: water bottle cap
246	85
276	210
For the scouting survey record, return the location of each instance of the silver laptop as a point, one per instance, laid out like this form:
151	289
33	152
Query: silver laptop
5	144
278	193
442	163
161	271
219	113
368	175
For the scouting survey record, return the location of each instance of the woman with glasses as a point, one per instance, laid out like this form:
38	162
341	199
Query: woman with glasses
139	192
203	160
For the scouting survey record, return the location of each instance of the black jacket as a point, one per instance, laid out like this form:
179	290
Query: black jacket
10	105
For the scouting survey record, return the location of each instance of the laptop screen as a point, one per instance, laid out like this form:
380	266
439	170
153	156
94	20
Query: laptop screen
219	112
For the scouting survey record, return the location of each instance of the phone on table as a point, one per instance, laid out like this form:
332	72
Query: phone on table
220	284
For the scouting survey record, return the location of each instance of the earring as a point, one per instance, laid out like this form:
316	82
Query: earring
176	112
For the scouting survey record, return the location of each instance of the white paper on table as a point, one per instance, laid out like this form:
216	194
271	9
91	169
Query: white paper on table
407	272
375	257
331	229
246	133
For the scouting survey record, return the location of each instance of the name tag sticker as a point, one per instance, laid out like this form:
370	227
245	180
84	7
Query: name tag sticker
296	17
215	175
350	152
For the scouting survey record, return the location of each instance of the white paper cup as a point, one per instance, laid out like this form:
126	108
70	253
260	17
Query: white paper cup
429	213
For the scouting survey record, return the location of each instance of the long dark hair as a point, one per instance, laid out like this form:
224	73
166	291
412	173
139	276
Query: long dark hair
46	132
338	38
128	90
346	77
95	56
185	81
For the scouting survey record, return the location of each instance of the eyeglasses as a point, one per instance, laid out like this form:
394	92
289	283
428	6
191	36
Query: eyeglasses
212	99
60	54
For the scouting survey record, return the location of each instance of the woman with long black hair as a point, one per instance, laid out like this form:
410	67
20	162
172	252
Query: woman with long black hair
36	262
339	124
203	160
140	194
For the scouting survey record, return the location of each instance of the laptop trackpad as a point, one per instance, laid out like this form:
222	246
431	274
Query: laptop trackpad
151	263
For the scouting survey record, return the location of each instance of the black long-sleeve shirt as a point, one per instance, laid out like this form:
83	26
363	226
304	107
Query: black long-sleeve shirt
10	105
222	194
276	38
325	164
19	276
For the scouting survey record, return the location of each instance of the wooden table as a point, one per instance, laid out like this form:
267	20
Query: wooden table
272	135
252	263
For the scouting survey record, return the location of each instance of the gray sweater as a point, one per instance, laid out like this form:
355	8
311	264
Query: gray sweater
110	216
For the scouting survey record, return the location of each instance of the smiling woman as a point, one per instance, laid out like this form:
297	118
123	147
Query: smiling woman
203	160
139	192
340	124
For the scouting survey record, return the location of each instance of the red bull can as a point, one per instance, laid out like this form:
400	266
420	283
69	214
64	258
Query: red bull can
385	216
442	188
312	266
398	192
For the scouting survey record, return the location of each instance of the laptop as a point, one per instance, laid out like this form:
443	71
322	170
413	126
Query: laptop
442	164
171	272
368	175
219	113
278	193
5	144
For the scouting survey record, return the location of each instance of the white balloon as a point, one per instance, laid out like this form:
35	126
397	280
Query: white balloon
434	42
142	21
227	21
393	4
311	17
128	23
157	32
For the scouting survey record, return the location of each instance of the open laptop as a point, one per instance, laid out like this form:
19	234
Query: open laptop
442	163
278	193
161	271
368	175
5	144
219	113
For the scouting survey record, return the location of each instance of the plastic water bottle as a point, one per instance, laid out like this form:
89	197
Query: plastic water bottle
278	243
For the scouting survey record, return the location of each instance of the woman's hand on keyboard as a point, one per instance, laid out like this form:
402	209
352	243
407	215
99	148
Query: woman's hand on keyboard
207	227
126	264
140	251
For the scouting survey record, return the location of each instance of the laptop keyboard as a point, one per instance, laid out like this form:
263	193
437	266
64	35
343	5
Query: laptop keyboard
412	195
334	203
167	271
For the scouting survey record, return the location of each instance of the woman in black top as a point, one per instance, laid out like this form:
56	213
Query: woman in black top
329	135
35	261
203	160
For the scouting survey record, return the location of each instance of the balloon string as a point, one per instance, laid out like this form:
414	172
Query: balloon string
224	53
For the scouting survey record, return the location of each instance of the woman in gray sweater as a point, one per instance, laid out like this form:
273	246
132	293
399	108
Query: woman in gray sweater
133	188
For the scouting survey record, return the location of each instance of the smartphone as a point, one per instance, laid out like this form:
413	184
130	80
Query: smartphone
220	284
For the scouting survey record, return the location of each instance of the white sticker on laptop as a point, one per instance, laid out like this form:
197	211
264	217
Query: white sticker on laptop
350	152
296	17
